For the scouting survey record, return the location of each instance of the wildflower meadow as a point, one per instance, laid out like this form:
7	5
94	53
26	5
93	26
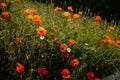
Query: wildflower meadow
44	42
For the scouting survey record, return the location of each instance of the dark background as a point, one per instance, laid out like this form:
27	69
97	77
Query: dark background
108	9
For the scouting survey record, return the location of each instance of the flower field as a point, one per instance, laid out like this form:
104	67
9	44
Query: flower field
43	42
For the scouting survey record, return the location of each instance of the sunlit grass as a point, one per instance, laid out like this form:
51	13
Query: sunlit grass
83	30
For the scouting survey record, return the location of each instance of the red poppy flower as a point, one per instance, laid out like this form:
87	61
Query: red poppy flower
74	62
110	41
3	4
98	18
66	55
18	40
43	71
71	41
37	19
19	67
97	79
118	43
66	14
76	16
5	14
30	11
63	48
33	12
41	31
65	73
90	75
70	8
103	41
107	37
58	9
97	23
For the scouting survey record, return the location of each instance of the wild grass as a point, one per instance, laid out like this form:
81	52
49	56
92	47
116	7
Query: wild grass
102	59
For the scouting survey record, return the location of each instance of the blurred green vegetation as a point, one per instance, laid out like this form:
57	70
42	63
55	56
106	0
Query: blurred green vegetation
102	59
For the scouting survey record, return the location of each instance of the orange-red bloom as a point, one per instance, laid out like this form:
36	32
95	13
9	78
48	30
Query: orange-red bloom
74	62
19	67
5	14
65	73
58	9
43	71
90	75
36	19
33	11
118	43
30	11
97	79
98	18
103	41
111	28
66	14
70	8
18	40
71	41
76	16
110	41
3	4
41	31
107	37
63	48
27	11
66	55
97	23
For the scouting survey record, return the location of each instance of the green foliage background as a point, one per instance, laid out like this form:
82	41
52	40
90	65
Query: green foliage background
83	31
